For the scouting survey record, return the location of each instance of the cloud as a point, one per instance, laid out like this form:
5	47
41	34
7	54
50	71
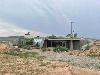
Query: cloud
7	29
50	16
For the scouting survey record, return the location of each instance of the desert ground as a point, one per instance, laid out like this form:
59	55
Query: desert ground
14	65
49	63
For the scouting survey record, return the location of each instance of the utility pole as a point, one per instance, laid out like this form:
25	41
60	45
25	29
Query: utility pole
71	37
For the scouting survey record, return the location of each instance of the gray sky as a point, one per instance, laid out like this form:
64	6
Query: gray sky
51	16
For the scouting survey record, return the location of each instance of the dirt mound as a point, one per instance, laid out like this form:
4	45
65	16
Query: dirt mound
91	51
4	47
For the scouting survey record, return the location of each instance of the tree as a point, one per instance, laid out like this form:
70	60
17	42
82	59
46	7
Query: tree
68	36
37	45
75	35
52	36
29	41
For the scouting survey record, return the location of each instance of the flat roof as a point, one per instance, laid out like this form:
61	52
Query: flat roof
65	39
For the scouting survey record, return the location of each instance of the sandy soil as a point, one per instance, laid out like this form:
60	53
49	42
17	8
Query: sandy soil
13	65
4	47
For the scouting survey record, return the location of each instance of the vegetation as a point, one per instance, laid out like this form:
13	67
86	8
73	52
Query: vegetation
88	47
21	54
29	41
41	58
74	36
37	46
52	36
45	49
60	49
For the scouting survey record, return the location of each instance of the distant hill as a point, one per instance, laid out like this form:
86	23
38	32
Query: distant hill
13	30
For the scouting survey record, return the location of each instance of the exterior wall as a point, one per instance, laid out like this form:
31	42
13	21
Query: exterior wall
64	43
39	40
77	45
15	40
21	41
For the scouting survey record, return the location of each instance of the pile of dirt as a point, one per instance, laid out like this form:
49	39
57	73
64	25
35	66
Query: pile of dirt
95	48
4	47
79	52
92	51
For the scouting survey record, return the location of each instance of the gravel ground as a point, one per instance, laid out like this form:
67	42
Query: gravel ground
81	61
14	65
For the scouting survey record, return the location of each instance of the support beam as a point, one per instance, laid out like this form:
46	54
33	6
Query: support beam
46	44
62	43
65	43
51	43
71	44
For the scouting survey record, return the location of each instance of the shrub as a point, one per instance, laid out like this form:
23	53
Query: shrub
60	49
46	49
88	47
37	45
22	54
41	58
12	52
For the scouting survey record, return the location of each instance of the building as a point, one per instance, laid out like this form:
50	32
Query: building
22	41
64	42
39	40
15	40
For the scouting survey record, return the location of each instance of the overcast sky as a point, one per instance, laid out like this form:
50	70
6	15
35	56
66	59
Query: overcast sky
51	16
